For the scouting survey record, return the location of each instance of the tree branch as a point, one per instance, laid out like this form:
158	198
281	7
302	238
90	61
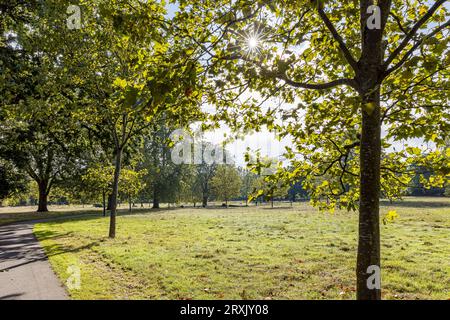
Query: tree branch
348	56
414	48
317	86
413	32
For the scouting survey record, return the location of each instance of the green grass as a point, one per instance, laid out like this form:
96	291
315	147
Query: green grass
250	253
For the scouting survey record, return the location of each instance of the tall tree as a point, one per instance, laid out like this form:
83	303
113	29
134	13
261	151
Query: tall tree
190	191
131	183
163	176
226	183
38	131
98	180
131	75
351	67
205	171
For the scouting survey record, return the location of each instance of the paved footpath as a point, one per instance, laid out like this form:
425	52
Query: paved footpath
25	271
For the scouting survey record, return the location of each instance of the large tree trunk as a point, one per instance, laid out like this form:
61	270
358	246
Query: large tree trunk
369	78
369	228
204	201
43	196
115	192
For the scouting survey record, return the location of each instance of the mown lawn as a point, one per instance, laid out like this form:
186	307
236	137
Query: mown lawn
250	253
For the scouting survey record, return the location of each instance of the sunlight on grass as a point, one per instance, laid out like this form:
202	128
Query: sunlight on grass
250	253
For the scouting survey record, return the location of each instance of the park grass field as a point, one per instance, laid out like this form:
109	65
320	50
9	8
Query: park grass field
250	253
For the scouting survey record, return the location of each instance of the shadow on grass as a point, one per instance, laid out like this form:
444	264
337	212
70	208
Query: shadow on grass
439	203
57	249
274	208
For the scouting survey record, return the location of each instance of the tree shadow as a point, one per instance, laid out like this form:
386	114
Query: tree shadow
12	296
282	208
416	204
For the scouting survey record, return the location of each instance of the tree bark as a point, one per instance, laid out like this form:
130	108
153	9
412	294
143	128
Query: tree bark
115	192
109	202
104	202
43	196
369	78
155	199
369	219
129	204
204	201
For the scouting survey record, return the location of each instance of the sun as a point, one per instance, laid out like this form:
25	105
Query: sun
252	42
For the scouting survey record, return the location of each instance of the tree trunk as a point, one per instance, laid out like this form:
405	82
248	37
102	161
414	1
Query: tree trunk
115	192
155	199
104	202
369	228
43	196
109	202
369	78
204	201
129	203
271	202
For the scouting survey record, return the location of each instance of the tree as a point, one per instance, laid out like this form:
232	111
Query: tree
99	179
190	190
131	184
226	183
351	67
205	172
44	150
269	188
37	131
12	180
164	176
135	78
247	178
